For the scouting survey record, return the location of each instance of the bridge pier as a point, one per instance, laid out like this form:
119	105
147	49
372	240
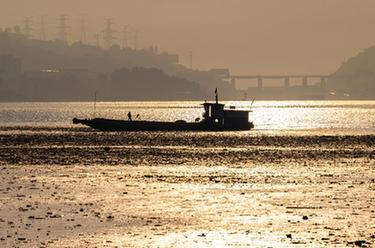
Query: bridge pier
304	81
233	81
260	83
323	83
287	82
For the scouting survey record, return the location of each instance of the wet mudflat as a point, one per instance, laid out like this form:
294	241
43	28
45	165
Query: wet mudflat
77	188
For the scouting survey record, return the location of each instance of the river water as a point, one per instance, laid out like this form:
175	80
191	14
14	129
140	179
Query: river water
346	117
305	177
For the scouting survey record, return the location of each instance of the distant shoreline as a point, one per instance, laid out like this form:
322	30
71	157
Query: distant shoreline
174	100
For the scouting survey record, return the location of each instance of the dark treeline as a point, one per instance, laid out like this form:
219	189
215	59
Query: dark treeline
151	84
36	70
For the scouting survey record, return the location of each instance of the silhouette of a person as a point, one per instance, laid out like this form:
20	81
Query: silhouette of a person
129	116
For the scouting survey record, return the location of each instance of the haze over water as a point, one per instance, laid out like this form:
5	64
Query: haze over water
303	177
340	117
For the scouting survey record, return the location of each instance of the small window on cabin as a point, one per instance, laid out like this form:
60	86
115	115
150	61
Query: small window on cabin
209	111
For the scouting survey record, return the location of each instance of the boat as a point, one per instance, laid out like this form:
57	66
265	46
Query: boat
215	118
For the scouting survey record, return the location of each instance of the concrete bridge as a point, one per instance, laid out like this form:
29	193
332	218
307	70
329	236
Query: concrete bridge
286	79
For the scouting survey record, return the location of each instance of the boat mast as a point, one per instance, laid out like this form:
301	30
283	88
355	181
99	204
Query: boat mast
216	96
94	104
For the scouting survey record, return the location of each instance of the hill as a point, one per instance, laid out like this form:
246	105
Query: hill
33	70
355	79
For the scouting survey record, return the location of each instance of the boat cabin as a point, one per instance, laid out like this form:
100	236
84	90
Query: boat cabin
215	115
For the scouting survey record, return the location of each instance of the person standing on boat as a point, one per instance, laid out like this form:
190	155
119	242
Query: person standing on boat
129	116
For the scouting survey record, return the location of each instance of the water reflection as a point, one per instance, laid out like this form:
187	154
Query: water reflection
267	115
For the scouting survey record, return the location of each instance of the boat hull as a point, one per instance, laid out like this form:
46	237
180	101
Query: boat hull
124	125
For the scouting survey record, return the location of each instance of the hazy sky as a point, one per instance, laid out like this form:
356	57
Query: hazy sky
248	36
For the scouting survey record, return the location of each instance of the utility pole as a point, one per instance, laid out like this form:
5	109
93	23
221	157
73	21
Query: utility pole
191	60
83	29
97	38
108	33
27	27
42	33
63	28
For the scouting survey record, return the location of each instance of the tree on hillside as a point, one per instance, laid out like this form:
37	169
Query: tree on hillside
152	84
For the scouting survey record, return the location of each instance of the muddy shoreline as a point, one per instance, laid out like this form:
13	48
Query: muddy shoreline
191	148
78	188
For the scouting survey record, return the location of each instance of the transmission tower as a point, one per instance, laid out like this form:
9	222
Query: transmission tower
42	32
124	42
108	33
136	34
83	28
27	29
62	28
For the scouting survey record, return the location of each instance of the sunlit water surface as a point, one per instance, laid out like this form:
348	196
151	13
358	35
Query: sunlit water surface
335	116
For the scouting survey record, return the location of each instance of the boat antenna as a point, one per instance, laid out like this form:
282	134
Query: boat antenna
216	96
94	104
252	102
